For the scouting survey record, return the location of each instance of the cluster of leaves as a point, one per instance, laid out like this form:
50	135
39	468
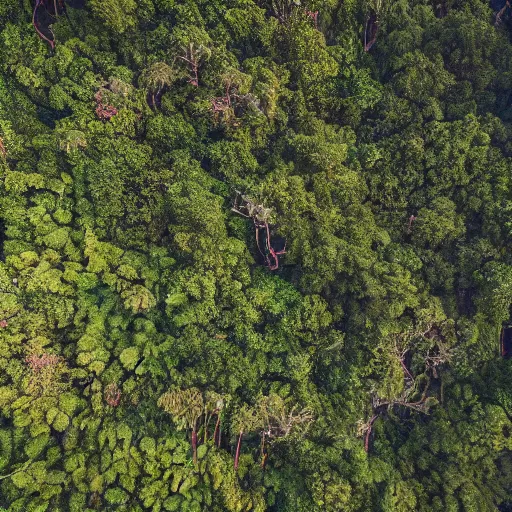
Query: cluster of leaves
141	335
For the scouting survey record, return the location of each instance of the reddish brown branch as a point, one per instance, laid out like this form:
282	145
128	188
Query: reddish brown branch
264	455
500	13
3	151
370	32
259	215
368	432
192	60
412	218
406	371
41	4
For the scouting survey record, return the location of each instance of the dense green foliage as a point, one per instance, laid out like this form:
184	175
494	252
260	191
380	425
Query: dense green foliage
144	346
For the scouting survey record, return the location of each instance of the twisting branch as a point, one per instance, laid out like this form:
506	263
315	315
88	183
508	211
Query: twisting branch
501	12
192	57
412	218
41	4
366	430
370	31
260	216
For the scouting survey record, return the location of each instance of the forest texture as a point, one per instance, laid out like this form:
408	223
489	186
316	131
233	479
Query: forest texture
255	255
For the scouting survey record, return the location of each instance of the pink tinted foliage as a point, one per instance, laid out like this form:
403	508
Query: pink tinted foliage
104	112
313	16
37	363
112	395
3	323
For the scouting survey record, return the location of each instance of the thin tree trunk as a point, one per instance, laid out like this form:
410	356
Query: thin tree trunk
194	445
368	433
239	444
263	454
406	371
216	431
206	421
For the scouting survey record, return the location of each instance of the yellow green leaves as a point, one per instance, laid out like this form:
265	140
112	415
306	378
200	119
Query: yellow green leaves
202	450
104	259
37	445
19	182
57	419
116	496
147	445
185	406
27	77
438	224
129	357
92	352
101	255
138	299
118	15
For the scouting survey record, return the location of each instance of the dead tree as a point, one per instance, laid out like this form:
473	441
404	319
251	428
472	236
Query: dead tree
381	407
280	421
260	217
283	9
236	99
436	355
192	56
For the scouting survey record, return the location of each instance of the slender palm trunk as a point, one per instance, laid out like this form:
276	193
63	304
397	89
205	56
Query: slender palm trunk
239	444
194	445
263	454
216	431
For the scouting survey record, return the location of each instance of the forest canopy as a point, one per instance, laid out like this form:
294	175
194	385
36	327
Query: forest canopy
255	255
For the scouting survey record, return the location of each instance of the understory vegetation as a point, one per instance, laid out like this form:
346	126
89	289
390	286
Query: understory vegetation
255	255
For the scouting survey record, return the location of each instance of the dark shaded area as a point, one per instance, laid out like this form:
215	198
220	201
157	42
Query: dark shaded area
46	12
496	5
506	341
370	34
42	19
48	116
75	4
502	11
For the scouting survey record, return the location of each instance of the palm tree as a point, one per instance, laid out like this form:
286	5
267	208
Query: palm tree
247	420
186	407
72	139
157	77
214	405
